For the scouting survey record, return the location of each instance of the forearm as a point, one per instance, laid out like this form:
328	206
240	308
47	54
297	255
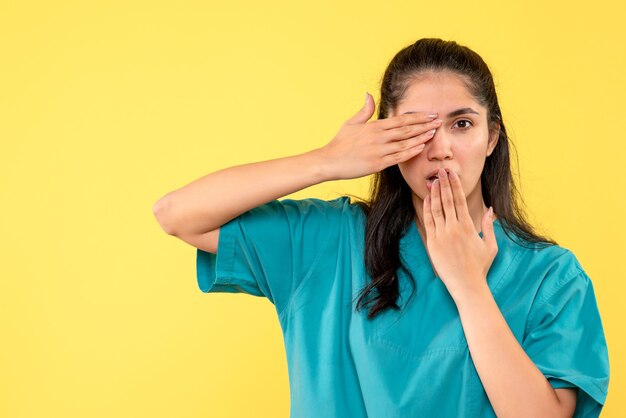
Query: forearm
514	385
211	201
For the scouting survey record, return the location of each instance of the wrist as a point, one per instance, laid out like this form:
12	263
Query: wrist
321	166
472	295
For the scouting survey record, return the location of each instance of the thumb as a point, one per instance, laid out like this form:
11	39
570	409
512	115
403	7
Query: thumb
365	113
489	237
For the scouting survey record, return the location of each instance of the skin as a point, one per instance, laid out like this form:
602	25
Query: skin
514	385
453	211
457	144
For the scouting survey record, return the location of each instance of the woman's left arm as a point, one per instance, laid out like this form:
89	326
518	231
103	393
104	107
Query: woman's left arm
461	258
514	385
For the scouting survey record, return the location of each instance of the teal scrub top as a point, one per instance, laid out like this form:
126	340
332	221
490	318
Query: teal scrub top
306	257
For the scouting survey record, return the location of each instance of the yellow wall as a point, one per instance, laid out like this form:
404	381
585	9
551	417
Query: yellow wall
107	106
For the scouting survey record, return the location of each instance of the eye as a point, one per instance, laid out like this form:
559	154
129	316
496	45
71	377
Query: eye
465	120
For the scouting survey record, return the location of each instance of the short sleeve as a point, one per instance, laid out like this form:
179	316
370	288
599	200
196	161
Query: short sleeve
268	250
565	340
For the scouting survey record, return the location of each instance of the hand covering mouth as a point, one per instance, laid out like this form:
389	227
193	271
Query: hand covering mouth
435	174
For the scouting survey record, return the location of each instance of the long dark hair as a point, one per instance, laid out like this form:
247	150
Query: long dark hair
390	211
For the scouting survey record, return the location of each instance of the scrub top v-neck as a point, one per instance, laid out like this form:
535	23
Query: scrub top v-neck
307	257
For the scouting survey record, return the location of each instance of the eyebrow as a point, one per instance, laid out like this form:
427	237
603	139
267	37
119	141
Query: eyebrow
462	111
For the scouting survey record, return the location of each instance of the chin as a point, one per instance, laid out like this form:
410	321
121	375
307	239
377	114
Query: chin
420	194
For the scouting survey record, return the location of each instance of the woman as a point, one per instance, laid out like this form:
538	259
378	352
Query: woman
470	312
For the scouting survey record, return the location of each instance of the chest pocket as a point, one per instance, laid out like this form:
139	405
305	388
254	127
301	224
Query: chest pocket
428	324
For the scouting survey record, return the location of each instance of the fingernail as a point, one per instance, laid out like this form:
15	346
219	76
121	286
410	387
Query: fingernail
432	115
490	212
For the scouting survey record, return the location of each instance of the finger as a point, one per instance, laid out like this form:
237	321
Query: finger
409	131
435	206
429	223
405	144
489	236
460	200
405	119
399	157
447	200
365	113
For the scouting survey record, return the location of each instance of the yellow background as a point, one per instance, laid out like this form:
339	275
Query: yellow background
107	106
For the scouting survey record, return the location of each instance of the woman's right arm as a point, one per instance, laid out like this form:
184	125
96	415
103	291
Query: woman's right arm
209	202
196	211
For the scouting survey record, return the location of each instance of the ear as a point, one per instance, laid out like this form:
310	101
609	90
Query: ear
494	134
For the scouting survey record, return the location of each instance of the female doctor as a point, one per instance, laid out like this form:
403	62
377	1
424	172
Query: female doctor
470	313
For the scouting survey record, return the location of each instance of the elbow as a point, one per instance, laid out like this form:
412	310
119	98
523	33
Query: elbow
160	209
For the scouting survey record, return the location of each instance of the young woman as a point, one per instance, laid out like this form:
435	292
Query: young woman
433	298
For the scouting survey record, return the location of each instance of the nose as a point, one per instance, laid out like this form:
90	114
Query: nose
439	146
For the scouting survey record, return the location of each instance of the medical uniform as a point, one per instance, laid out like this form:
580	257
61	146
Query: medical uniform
307	257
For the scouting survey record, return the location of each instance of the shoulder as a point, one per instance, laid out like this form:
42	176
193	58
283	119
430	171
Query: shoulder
552	268
307	209
339	208
562	273
312	219
547	268
547	256
315	204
